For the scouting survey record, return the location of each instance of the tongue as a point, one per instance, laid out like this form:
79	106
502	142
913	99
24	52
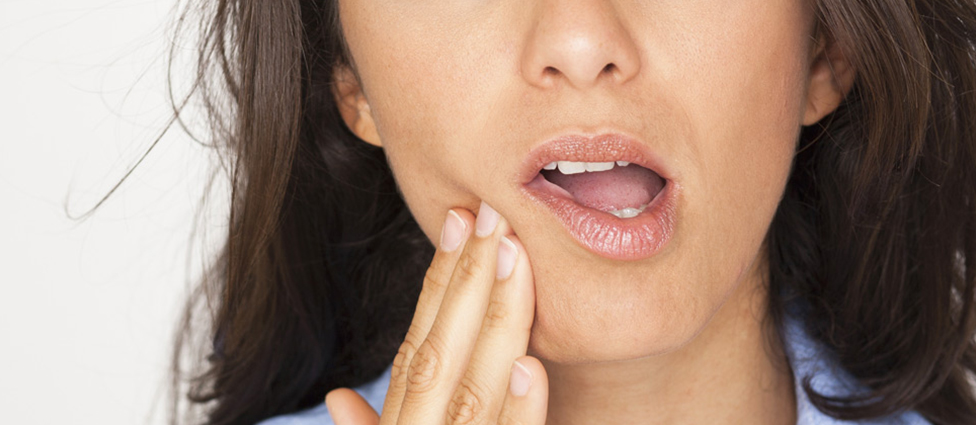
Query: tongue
614	189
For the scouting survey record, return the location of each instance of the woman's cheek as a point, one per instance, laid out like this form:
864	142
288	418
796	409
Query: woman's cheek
430	182
440	148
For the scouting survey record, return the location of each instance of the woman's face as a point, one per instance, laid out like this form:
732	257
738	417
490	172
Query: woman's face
462	93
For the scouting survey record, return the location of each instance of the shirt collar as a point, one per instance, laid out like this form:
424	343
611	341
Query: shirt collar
810	358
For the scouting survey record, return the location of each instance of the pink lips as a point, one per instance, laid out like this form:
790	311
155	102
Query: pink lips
602	233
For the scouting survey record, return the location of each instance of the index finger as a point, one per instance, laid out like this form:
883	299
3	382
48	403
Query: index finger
457	228
441	360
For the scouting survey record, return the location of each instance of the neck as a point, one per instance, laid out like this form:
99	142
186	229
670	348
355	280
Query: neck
726	374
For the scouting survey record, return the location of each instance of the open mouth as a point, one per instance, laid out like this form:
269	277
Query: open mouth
620	188
612	194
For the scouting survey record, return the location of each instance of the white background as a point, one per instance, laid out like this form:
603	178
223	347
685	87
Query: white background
87	308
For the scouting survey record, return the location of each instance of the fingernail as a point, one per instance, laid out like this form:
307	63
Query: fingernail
521	378
507	254
487	220
452	232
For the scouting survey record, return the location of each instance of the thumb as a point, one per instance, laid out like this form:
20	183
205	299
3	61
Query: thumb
347	407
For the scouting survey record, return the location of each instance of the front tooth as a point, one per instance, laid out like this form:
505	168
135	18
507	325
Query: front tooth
569	167
550	166
623	163
598	166
629	212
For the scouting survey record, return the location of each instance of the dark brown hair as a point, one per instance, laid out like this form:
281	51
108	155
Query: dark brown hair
323	262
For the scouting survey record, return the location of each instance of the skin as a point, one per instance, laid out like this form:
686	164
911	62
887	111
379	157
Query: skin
457	93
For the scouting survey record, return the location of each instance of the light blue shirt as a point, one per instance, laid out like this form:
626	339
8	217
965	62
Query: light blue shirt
807	358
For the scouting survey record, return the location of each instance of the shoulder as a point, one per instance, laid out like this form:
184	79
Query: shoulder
811	359
374	392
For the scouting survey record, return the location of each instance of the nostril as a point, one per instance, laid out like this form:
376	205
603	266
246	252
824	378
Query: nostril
584	76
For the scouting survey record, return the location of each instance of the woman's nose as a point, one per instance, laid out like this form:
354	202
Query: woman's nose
580	43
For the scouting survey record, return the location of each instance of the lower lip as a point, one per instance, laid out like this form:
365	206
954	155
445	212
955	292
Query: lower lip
607	235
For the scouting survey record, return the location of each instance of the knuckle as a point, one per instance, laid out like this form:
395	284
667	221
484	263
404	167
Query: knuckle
497	315
466	406
423	369
433	282
401	362
468	267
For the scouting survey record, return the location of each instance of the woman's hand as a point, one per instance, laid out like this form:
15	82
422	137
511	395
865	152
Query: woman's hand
457	364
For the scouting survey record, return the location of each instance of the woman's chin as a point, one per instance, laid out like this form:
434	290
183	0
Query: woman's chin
593	338
600	312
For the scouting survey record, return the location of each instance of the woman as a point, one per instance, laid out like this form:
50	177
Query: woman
588	211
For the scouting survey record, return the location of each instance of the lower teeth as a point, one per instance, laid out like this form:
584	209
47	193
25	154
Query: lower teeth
628	212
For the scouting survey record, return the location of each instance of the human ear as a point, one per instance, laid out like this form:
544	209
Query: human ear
353	105
831	78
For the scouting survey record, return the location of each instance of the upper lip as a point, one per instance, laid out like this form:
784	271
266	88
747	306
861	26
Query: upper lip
604	147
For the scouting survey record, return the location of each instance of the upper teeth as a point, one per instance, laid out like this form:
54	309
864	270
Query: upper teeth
571	167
